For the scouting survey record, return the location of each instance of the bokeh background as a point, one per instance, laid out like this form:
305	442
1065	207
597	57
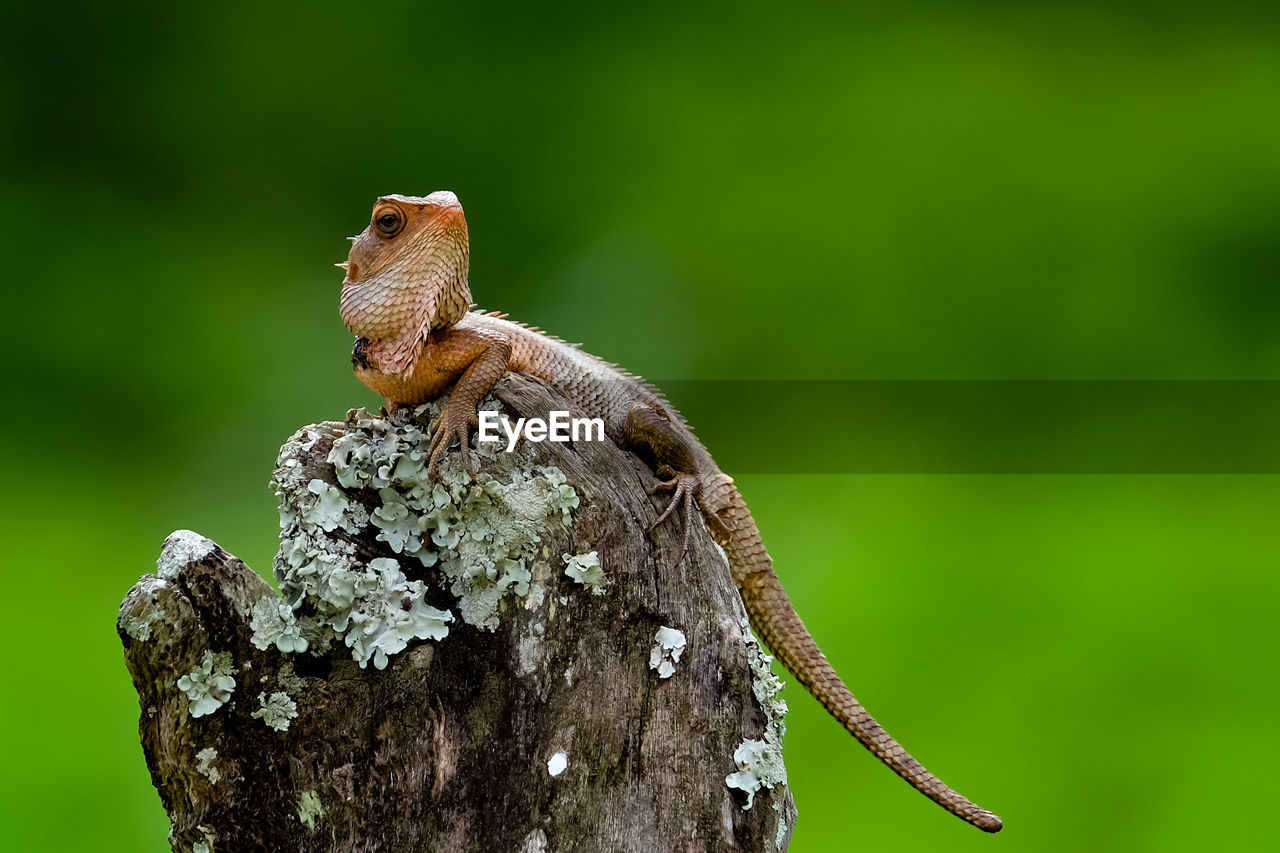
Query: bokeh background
773	191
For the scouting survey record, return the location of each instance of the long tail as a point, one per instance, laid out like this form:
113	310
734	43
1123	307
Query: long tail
776	620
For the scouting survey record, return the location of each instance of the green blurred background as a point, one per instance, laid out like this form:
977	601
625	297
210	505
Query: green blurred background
905	191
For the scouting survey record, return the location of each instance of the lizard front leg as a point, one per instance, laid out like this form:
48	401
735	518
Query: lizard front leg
650	433
481	357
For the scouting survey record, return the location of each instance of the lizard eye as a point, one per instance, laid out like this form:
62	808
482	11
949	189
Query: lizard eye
389	223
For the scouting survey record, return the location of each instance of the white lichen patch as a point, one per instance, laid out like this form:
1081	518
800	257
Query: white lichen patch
558	763
182	548
329	510
760	765
482	534
765	685
391	615
668	645
534	842
585	569
310	809
210	684
760	762
276	710
485	535
137	624
373	607
273	623
204	764
140	627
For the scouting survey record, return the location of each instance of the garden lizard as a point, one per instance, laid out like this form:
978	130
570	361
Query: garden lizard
406	297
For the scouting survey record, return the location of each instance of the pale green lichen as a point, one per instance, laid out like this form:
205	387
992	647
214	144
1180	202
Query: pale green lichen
765	684
204	764
293	683
390	617
276	710
482	533
668	645
329	510
760	762
585	569
760	765
210	684
201	847
273	623
310	809
374	608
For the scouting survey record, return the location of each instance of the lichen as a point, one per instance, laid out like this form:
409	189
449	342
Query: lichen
534	842
310	809
203	846
669	644
558	763
482	533
137	623
182	548
276	710
392	614
210	684
140	627
760	762
273	623
765	684
204	764
585	569
293	683
329	509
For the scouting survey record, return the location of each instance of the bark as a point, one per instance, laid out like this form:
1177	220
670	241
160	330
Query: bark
448	747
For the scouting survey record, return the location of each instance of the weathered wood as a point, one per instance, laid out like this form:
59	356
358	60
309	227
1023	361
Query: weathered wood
451	747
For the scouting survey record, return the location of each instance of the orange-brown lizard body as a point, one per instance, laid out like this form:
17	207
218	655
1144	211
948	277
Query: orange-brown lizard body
407	298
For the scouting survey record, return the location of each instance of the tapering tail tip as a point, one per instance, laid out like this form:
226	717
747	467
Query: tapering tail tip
987	822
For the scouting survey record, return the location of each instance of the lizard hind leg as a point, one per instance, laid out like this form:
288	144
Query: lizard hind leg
650	433
684	490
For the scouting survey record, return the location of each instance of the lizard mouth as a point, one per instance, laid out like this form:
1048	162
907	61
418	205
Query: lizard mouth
353	273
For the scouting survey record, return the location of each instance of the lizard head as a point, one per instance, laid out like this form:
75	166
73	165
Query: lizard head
406	275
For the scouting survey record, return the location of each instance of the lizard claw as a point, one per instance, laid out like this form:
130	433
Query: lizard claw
447	427
684	490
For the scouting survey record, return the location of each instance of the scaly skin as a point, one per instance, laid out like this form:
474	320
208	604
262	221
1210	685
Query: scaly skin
406	296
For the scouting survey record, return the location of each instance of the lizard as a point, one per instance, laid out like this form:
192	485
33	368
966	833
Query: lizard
407	298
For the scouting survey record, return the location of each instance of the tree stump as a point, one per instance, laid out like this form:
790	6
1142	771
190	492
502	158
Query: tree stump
504	662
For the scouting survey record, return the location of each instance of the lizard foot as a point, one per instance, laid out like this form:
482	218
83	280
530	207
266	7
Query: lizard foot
684	490
450	425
